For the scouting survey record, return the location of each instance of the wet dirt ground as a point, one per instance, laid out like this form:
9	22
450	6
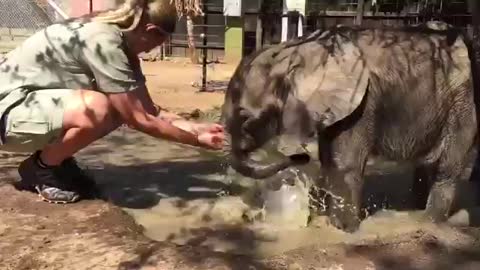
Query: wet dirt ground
180	195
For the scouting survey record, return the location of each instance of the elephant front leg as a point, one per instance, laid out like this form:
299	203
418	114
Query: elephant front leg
343	160
344	201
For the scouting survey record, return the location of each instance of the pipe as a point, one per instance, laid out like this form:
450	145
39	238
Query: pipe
57	9
90	6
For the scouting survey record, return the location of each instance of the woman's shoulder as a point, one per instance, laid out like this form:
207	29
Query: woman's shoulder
90	31
102	28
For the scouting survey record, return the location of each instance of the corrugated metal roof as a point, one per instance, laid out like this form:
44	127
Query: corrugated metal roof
22	14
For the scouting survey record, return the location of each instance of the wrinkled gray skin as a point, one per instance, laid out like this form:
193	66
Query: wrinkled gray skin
404	94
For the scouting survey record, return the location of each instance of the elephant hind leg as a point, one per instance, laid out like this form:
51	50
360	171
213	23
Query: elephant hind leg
442	193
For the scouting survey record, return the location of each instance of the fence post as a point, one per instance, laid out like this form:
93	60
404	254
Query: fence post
359	17
204	57
259	30
90	6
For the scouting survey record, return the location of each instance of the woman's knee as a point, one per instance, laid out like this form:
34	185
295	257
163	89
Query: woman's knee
89	109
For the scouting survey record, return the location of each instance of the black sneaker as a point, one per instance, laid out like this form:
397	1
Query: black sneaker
80	179
46	181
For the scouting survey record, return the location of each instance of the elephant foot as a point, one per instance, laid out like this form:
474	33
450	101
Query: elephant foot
440	201
345	221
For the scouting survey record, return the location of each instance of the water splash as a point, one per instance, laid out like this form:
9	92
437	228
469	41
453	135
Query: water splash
286	199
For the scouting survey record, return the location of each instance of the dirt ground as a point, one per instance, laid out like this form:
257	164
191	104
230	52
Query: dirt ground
98	234
172	84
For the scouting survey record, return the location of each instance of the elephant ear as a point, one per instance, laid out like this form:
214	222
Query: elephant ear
332	82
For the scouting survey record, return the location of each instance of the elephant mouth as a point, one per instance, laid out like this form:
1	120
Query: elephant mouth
253	169
299	159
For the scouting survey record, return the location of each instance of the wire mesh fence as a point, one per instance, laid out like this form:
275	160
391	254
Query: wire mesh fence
26	14
34	14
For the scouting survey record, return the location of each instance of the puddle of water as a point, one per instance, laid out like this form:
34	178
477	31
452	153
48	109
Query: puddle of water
222	224
190	201
225	224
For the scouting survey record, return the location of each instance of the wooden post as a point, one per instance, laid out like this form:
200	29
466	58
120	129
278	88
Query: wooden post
475	10
300	25
90	6
204	57
360	7
285	21
259	30
474	7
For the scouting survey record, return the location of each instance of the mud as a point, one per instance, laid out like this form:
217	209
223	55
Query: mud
167	206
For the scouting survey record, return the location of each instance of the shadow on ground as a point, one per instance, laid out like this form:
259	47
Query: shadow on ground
422	252
198	257
144	185
136	172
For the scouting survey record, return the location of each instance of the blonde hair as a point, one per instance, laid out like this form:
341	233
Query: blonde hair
160	12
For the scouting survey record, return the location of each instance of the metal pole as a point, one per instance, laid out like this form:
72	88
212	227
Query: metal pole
204	60
57	9
90	6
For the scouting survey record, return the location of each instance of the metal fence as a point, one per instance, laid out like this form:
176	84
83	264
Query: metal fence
25	14
36	14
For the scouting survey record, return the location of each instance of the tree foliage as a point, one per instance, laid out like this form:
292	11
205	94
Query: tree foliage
188	7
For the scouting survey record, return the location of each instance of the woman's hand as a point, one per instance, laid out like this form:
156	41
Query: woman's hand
211	140
197	128
210	136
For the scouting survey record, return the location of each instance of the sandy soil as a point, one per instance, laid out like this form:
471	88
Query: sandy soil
98	234
172	84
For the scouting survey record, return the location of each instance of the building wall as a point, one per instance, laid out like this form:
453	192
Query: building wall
12	37
75	8
78	8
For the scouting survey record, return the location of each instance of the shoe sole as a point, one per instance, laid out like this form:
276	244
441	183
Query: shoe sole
74	200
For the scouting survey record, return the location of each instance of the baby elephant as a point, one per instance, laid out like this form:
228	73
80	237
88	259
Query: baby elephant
405	94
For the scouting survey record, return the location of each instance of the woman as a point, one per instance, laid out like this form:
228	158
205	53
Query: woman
74	82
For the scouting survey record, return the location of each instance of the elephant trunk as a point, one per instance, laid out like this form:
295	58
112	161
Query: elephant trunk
249	168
